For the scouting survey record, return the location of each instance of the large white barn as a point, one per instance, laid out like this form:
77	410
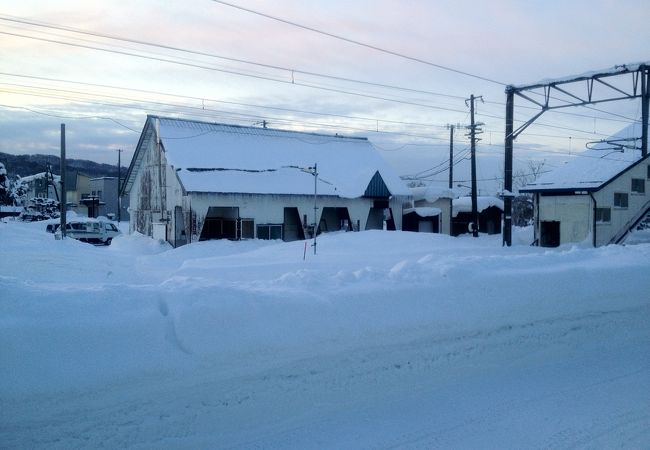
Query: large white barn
192	180
597	197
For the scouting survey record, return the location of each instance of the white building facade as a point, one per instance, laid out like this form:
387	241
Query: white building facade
192	180
596	198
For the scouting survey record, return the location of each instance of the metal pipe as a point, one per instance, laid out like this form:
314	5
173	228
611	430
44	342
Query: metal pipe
594	217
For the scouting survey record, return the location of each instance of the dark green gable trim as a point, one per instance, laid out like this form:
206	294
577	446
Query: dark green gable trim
377	188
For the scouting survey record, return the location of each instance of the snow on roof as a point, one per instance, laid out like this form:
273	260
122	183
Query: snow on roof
432	193
592	168
210	157
37	176
424	211
464	204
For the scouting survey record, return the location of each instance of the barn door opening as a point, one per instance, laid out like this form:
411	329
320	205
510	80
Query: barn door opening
549	234
220	223
293	230
335	219
377	215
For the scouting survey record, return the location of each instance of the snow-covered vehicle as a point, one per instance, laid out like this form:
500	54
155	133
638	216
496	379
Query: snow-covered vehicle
93	231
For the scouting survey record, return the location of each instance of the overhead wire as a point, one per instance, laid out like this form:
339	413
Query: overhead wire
204	99
304	84
227	58
232	72
206	112
362	44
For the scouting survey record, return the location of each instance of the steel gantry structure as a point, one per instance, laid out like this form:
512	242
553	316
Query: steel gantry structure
570	92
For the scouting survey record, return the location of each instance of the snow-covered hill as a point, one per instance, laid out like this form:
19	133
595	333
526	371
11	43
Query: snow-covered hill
381	340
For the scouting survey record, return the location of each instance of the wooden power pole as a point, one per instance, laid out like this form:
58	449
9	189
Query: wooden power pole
473	131
62	204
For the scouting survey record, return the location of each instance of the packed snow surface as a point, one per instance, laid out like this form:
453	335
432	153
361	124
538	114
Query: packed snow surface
380	340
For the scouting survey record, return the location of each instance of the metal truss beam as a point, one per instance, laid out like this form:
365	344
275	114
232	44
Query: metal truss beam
571	92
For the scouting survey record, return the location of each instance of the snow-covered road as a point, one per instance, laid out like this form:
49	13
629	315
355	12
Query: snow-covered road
383	340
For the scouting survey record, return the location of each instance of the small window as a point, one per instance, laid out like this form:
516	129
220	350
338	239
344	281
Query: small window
648	177
638	186
247	228
620	200
603	215
269	231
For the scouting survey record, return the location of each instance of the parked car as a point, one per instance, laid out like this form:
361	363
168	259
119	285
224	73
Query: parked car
93	231
52	227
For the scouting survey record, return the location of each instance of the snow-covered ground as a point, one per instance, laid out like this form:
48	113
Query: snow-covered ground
381	340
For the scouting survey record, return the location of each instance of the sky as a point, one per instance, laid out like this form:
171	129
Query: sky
90	65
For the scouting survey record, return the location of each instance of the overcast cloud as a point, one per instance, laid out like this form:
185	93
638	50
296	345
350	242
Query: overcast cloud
513	42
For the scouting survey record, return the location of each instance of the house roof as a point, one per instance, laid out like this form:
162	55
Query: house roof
596	167
464	204
212	157
431	193
423	211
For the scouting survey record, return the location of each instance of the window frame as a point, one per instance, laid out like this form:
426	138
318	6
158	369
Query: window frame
269	226
639	181
617	204
608	214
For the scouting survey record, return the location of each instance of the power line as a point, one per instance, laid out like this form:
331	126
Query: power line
351	93
59	116
203	99
362	44
227	58
276	67
199	112
203	112
231	72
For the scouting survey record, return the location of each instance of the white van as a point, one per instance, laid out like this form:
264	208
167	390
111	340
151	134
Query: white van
93	231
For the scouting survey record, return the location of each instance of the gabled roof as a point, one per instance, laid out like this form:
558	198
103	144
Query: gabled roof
212	157
593	169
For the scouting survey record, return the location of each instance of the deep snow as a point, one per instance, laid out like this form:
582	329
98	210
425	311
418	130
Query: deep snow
381	340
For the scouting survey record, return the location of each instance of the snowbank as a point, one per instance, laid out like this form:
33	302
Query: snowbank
382	338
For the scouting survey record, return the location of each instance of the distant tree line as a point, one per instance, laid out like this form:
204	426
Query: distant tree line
25	165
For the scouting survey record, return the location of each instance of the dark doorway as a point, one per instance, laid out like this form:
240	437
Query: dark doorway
293	230
335	219
180	237
390	221
220	223
375	219
549	234
413	222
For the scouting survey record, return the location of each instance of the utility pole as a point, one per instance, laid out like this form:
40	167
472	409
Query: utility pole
451	176
62	205
472	132
119	178
451	156
315	205
507	167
